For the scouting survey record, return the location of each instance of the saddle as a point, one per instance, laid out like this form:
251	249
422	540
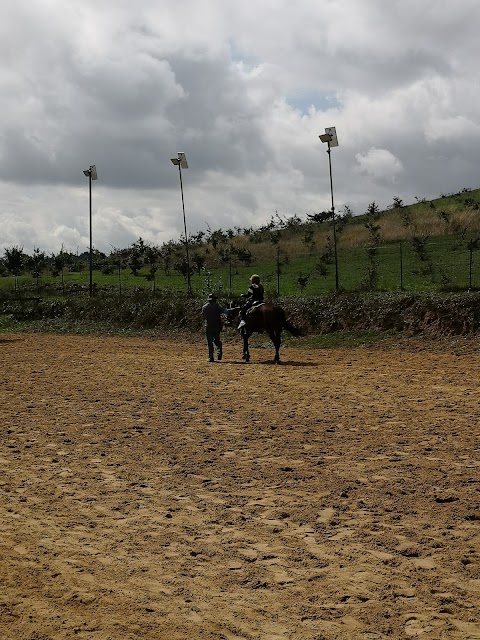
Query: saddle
257	303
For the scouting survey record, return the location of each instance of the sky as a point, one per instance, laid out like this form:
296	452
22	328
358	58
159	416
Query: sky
244	89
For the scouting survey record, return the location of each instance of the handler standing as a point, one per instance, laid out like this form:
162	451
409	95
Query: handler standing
212	315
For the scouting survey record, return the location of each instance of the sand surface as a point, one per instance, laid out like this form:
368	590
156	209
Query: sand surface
147	494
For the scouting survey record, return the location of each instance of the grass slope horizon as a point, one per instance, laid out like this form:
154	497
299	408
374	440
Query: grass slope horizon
424	246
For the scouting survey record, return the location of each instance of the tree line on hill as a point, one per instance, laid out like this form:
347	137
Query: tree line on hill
245	246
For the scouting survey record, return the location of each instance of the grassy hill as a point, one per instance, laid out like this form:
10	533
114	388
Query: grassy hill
425	246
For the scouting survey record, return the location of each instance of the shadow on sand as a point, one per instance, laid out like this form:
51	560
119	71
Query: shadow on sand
283	363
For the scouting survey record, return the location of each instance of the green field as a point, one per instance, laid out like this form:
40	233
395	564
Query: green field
428	246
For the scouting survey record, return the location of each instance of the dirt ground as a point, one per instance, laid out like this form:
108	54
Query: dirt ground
148	494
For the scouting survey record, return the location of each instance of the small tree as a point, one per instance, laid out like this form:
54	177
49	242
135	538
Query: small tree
198	262
373	214
245	256
419	244
344	218
309	237
135	262
397	203
323	216
58	263
182	267
151	259
302	280
36	264
14	261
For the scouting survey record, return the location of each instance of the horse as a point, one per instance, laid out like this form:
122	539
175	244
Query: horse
266	318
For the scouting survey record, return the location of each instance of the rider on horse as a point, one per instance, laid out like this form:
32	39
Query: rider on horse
253	297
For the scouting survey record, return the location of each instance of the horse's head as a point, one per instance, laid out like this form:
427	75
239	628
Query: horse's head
233	309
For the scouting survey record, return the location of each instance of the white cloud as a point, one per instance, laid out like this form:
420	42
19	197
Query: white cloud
245	93
379	163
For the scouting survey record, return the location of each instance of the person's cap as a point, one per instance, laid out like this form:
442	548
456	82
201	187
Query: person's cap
212	296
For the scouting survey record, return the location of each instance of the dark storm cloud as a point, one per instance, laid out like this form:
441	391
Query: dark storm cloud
126	87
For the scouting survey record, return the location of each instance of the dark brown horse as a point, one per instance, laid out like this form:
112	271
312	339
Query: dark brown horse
270	319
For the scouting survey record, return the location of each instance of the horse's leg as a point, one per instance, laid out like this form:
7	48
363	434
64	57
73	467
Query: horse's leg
275	338
246	352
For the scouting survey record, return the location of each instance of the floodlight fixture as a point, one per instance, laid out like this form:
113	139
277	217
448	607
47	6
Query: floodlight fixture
91	174
181	162
332	132
330	137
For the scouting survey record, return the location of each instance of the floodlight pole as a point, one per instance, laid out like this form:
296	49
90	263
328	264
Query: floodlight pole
91	174
333	216
189	284
178	161
91	235
329	136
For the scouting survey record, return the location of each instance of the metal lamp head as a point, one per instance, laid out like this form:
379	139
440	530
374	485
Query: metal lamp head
180	160
330	136
91	172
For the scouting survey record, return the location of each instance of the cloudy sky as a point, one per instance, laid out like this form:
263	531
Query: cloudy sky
244	89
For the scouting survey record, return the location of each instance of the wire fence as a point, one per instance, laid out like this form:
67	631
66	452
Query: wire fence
444	265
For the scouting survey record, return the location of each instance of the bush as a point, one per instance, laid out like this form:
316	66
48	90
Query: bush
429	314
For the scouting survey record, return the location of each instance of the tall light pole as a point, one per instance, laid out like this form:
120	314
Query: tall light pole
181	162
330	137
91	174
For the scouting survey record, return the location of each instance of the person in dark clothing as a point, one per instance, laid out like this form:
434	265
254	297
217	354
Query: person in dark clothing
212	315
253	296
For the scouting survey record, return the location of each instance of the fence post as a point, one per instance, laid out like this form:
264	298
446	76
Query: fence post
278	271
470	263
119	279
401	266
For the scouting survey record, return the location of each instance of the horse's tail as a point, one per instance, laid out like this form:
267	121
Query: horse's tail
291	328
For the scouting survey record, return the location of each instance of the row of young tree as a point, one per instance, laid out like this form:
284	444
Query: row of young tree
139	257
219	247
213	246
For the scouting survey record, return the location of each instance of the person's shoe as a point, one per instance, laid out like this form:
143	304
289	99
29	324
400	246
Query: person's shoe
211	360
219	356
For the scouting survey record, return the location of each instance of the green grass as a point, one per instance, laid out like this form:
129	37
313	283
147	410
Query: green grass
446	267
447	223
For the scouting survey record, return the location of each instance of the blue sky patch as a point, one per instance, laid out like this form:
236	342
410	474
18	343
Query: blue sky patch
238	55
303	100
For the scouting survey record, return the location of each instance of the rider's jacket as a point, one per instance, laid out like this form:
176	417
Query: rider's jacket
255	293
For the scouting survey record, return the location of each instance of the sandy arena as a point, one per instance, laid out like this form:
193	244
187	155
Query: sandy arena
147	494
